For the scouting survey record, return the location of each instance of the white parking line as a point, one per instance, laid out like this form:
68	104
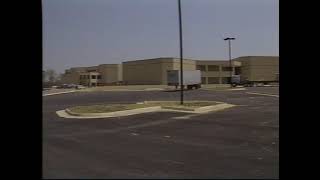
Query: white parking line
58	93
263	94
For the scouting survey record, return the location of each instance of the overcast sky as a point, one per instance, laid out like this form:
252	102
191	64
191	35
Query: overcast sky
92	32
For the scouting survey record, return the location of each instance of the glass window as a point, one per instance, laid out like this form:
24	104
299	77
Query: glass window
203	80
201	67
99	77
213	80
225	80
227	68
213	68
237	70
93	77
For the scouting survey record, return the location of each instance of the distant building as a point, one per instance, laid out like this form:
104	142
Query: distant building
154	71
259	68
217	72
104	74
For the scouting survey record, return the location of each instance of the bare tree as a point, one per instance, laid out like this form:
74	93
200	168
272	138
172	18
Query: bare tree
51	74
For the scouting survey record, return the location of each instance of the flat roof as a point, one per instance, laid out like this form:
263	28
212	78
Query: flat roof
147	60
166	59
257	56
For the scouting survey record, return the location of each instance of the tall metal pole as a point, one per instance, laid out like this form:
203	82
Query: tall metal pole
181	53
230	64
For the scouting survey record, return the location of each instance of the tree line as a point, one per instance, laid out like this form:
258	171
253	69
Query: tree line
50	78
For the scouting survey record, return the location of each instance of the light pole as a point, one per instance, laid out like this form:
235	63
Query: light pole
181	53
229	39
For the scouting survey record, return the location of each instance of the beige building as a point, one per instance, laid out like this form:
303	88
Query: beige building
217	72
154	71
103	74
259	68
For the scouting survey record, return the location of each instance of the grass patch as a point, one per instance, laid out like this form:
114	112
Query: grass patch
107	108
191	105
186	104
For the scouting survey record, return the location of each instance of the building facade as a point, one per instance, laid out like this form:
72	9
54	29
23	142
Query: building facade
259	68
217	72
104	74
154	71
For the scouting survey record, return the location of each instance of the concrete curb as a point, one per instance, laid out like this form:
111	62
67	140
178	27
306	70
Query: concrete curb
125	90
69	114
147	102
217	107
58	93
116	113
154	89
263	94
237	89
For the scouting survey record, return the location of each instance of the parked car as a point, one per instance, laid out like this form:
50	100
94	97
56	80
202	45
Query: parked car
80	87
67	86
72	86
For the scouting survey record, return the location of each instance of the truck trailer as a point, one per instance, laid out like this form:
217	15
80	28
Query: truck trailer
191	79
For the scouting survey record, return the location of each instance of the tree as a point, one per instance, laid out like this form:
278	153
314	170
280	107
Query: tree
59	78
51	75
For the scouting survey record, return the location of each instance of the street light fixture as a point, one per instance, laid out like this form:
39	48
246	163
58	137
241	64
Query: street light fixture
229	39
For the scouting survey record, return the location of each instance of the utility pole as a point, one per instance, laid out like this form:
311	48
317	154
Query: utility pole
230	64
181	54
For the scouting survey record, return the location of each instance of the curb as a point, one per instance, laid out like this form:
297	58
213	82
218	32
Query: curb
237	89
154	89
263	94
67	113
217	107
58	93
116	113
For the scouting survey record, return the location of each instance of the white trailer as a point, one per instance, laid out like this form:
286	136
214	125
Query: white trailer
235	80
191	78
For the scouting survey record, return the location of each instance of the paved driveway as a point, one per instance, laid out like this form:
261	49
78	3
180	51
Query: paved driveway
241	142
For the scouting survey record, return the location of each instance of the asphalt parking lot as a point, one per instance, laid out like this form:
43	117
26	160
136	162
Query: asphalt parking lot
240	142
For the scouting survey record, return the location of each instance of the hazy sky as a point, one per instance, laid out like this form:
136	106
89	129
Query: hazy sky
92	32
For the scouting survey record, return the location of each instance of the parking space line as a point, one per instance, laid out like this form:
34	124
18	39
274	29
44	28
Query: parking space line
263	94
58	93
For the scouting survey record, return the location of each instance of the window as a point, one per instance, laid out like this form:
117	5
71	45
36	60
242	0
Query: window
225	80
99	77
213	80
213	68
237	70
201	67
93	70
228	68
93	77
203	80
